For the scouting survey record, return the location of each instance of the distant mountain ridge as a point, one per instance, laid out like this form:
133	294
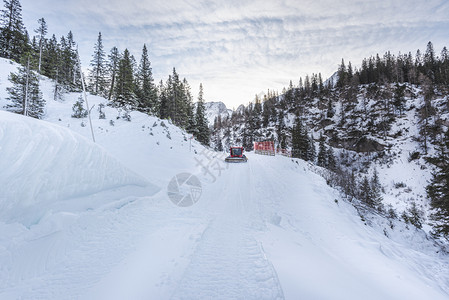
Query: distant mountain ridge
214	109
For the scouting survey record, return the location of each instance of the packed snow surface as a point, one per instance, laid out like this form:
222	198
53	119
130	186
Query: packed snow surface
80	220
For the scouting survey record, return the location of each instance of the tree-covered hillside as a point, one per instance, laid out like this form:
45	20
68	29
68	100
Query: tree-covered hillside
355	121
126	82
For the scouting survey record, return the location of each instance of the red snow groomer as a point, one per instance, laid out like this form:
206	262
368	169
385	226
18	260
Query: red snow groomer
236	155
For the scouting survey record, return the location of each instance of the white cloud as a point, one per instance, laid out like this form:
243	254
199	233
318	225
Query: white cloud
239	48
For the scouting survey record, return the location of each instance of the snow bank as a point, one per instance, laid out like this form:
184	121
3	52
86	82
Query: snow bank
43	165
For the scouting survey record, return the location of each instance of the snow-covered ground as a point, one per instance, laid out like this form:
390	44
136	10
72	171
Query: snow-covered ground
80	220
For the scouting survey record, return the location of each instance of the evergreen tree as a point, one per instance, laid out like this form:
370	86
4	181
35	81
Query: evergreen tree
114	59
426	111
218	145
178	100
177	97
25	95
97	75
438	189
13	37
68	73
145	90
281	130
50	58
331	162
376	189
311	153
251	123
300	141
322	153
202	130
429	62
365	192
67	69
125	87
227	134
41	31
370	192
163	100
399	97
444	66
217	141
414	215
101	113
190	108
330	109
342	75
78	108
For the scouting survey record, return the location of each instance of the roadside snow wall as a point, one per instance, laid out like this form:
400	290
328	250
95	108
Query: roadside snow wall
43	165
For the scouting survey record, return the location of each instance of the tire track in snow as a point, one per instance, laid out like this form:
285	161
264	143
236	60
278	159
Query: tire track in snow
229	263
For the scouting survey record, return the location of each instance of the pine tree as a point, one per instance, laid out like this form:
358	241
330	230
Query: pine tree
146	90
202	129
101	113
41	31
376	189
322	153
13	37
300	141
227	135
331	162
78	108
50	58
114	59
68	64
251	123
217	141
330	109
25	95
67	69
342	75
125	87
426	111
430	62
190	128
365	192
281	130
97	75
178	100
438	189
415	215
311	153
163	100
444	65
399	97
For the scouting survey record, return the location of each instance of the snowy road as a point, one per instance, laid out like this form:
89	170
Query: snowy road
229	262
278	206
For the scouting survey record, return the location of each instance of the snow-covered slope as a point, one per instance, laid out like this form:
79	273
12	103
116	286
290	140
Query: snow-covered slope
267	229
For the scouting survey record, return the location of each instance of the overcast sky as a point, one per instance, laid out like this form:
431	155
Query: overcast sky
239	48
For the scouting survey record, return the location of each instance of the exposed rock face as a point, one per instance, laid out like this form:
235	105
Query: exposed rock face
214	109
362	144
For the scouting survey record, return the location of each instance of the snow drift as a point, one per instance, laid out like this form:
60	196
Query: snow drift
44	164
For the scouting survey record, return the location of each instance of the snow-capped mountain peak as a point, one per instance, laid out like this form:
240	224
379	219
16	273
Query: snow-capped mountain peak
215	109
